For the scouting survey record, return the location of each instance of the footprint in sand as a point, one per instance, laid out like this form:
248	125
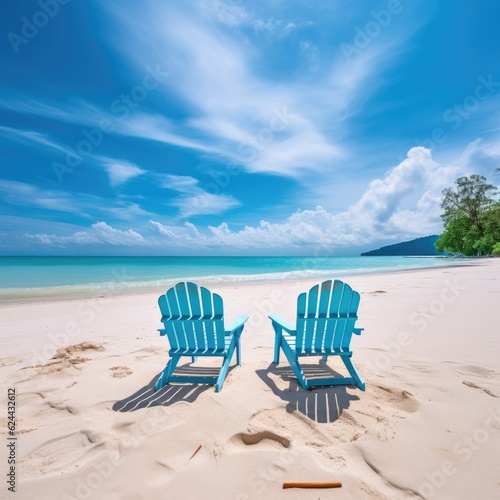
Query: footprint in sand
120	371
475	386
268	439
39	410
402	400
69	351
65	358
63	453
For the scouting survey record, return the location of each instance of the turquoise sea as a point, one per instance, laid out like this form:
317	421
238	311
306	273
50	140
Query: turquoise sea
42	278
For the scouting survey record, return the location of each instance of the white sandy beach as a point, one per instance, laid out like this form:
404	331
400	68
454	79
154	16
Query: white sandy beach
89	424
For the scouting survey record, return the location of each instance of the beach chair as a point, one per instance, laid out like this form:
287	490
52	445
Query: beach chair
326	316
193	319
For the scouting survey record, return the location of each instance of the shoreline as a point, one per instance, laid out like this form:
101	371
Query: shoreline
47	294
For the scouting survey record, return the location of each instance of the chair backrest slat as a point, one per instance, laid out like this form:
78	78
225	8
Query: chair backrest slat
326	316
324	301
193	317
336	298
345	302
173	305
312	301
199	334
194	299
184	301
218	306
164	307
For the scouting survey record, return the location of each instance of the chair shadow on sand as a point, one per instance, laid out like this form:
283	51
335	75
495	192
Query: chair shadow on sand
147	397
321	404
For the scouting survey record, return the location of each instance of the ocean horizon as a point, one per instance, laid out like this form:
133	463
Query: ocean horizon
51	278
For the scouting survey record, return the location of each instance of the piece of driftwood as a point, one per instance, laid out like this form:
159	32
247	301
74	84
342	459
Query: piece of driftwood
312	485
197	450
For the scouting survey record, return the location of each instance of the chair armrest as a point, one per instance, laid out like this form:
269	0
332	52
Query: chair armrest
162	331
281	322
237	323
357	331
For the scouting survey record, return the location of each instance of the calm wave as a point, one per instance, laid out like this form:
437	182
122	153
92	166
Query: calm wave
38	278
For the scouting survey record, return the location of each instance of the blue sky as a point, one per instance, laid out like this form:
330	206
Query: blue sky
236	127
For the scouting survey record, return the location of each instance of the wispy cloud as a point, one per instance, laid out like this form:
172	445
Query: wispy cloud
23	194
30	137
120	171
193	199
233	111
151	127
233	104
224	12
272	25
230	103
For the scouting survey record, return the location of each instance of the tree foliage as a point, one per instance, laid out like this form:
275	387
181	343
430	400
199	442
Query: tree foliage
471	217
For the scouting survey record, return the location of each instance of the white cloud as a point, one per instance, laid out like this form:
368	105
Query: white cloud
182	183
233	108
276	26
224	12
112	236
481	157
152	127
126	211
194	200
120	171
311	52
160	129
23	194
89	206
401	205
205	204
30	137
100	233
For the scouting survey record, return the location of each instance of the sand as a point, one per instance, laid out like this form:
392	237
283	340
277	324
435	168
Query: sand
89	424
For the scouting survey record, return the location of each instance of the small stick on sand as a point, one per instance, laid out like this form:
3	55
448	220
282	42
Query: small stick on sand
197	450
312	485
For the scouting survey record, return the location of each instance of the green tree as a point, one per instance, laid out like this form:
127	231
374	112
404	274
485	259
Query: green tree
491	233
471	217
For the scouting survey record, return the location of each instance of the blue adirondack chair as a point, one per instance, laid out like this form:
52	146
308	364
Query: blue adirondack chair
326	316
193	319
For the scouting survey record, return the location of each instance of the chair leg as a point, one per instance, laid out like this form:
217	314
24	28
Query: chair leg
167	372
238	351
292	358
222	373
353	372
277	342
227	360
